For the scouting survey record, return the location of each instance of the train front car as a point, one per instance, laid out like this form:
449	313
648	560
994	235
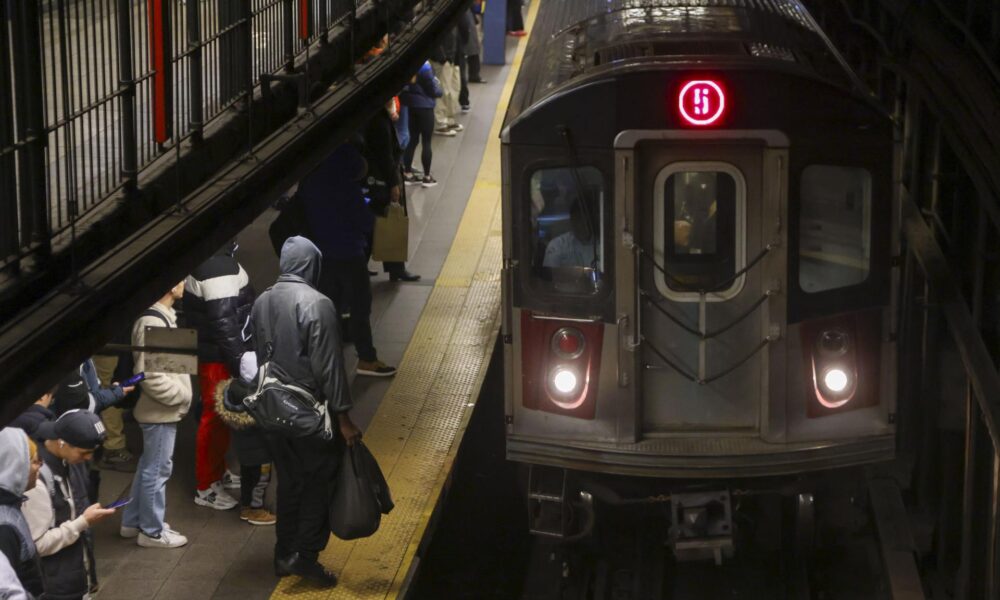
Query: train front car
698	231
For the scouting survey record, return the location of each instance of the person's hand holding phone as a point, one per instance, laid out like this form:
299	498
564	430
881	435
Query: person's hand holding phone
96	512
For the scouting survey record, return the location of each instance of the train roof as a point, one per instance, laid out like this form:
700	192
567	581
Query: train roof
575	39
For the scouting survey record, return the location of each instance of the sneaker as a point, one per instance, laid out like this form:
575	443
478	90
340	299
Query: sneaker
117	460
257	516
466	108
479	80
375	368
409	178
428	181
133	532
168	538
230	480
215	497
446	131
456	127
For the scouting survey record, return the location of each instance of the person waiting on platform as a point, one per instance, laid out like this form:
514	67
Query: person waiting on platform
164	400
36	414
341	225
576	247
445	62
419	97
295	328
218	298
59	509
19	465
385	180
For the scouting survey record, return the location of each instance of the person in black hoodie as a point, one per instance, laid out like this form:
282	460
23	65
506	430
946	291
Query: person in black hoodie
385	180
218	298
295	328
19	465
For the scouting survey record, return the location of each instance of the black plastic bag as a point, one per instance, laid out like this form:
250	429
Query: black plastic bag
361	495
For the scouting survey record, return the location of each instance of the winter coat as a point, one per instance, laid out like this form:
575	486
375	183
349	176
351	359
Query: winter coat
166	397
339	219
295	327
468	34
382	152
251	448
16	543
422	92
54	511
31	418
218	298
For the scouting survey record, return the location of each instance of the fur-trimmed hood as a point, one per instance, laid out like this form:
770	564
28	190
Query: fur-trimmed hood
228	411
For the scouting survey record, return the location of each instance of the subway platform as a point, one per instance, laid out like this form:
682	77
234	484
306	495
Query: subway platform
439	331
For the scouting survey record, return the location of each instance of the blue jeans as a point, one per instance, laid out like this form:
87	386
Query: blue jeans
149	486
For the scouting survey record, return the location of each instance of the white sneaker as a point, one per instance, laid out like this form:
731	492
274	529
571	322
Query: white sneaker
215	497
168	538
230	480
133	532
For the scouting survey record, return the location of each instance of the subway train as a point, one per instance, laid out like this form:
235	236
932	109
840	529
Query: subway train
698	275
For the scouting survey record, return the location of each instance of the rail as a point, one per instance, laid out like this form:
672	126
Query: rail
93	92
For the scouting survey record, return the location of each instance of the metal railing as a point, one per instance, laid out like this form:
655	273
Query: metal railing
94	91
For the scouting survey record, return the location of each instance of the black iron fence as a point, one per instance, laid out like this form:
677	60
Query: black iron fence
94	91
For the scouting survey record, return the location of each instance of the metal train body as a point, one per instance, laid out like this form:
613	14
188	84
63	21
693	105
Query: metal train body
724	307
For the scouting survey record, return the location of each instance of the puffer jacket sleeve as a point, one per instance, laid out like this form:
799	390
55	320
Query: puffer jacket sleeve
219	307
326	356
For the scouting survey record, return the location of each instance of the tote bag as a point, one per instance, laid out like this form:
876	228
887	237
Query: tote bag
392	235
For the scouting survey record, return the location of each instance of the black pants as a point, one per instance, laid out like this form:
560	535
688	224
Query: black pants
474	66
306	471
515	20
421	132
346	282
463	91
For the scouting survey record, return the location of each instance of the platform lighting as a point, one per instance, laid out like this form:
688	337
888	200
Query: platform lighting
701	102
835	380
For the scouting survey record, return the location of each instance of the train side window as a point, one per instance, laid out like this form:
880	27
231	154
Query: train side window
834	227
698	215
567	229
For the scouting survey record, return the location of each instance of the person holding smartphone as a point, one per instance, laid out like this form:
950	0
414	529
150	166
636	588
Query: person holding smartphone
59	510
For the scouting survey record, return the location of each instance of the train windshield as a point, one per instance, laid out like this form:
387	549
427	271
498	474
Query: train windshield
834	227
567	229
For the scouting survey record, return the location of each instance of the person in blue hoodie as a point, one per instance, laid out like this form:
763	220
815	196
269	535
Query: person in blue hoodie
419	97
341	225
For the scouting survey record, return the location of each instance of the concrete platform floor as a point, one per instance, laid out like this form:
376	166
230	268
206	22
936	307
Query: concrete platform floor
225	557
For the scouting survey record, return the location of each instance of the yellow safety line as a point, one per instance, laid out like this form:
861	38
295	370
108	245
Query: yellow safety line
416	430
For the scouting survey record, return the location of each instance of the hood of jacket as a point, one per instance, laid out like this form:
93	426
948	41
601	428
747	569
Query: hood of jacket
300	257
14	460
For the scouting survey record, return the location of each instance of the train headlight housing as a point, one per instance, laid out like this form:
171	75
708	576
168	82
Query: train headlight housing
568	343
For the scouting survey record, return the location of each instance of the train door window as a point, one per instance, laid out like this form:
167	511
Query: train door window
699	230
834	227
567	230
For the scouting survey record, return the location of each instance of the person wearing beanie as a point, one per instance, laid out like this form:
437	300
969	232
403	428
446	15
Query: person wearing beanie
59	511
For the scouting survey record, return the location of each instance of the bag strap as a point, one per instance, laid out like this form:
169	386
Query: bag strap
152	312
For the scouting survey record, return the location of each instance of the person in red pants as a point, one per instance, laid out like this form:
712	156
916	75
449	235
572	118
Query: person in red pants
218	299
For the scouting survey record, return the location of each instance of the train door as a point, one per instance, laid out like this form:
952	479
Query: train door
704	217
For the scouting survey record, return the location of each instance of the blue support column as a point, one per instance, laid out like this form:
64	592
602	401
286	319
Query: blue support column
495	32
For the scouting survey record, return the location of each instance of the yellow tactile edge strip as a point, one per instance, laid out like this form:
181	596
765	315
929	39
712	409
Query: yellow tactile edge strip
416	430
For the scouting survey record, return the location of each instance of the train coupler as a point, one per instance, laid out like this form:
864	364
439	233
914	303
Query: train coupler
701	526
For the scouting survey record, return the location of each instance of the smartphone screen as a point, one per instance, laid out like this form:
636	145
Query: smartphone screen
133	379
119	503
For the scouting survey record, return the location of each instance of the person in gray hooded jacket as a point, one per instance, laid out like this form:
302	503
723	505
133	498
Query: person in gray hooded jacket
19	465
295	327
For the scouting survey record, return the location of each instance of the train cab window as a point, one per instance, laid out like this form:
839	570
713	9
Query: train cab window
567	230
834	227
699	234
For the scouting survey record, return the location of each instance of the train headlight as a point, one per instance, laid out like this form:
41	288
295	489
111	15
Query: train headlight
833	342
835	380
564	381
